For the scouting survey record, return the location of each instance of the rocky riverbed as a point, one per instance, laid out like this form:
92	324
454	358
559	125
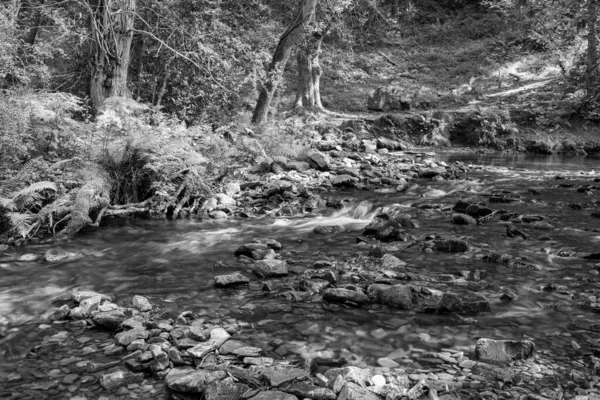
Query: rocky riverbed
366	275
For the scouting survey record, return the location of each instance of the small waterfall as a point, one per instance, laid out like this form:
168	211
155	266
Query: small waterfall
364	210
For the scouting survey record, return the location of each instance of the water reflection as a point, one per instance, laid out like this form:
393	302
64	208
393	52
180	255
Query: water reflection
524	161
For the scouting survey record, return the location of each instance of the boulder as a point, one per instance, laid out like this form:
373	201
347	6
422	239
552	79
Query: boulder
502	351
318	160
340	295
231	280
56	255
270	268
189	380
217	215
359	376
397	296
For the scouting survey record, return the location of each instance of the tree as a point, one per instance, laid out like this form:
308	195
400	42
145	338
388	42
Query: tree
296	30
112	23
592	49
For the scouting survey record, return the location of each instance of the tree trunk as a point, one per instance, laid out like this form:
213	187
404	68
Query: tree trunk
592	50
29	20
308	96
282	53
112	30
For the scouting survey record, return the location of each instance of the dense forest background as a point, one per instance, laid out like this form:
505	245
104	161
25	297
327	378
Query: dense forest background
125	106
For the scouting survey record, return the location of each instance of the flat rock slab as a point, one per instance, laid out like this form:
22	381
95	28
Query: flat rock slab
189	380
109	319
277	377
231	280
502	351
274	395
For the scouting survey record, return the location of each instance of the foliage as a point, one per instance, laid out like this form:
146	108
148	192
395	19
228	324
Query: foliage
19	208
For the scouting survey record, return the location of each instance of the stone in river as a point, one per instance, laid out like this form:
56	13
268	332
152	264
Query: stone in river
60	313
351	391
463	219
80	295
277	377
256	251
465	303
259	361
450	245
231	280
542	226
274	395
502	351
189	380
55	255
218	215
397	296
343	181
389	261
389	232
218	336
225	390
141	303
119	378
328	229
340	295
270	268
125	338
109	319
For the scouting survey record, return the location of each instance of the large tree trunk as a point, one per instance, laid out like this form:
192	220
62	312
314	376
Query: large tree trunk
592	50
282	53
112	30
308	96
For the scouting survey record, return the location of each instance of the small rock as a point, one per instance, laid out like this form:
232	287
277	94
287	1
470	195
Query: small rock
463	219
109	319
318	160
389	261
352	391
277	377
120	378
465	303
217	215
125	338
274	395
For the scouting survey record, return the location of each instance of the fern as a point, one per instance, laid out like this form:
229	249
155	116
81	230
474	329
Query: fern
9	204
21	223
30	195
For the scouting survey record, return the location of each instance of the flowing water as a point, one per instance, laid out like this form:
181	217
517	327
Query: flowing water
173	263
